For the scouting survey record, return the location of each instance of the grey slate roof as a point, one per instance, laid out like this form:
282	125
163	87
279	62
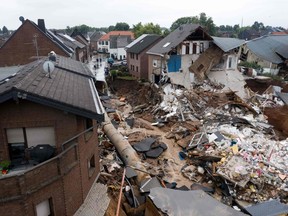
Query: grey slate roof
6	72
71	42
227	44
173	39
59	42
69	89
269	47
143	43
136	41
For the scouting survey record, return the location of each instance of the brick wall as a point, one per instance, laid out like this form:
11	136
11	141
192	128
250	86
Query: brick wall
20	49
64	178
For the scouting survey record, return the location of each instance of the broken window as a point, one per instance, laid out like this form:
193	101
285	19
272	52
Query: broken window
155	63
201	66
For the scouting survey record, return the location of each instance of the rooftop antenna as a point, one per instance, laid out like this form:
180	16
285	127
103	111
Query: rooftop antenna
36	45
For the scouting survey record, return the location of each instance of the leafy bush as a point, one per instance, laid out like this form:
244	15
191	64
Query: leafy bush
253	65
113	73
5	164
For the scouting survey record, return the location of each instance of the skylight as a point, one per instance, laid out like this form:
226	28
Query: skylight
167	44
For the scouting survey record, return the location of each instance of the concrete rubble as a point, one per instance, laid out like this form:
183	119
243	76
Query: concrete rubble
223	140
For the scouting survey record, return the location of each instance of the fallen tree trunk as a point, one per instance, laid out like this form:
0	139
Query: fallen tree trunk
125	150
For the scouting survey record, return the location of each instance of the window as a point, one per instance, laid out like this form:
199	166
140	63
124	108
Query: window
155	63
166	44
88	124
45	208
91	166
200	67
230	62
194	48
187	49
21	138
136	56
136	68
106	42
201	47
131	67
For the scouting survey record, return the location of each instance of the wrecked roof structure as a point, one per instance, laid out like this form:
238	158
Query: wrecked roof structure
272	48
69	87
175	38
193	202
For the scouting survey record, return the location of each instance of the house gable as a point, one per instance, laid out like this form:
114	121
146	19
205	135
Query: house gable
25	44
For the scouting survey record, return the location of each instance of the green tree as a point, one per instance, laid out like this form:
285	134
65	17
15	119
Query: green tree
5	30
207	23
111	28
148	28
121	26
183	20
202	19
258	26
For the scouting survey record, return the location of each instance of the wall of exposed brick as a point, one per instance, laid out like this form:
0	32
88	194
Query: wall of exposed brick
64	178
20	49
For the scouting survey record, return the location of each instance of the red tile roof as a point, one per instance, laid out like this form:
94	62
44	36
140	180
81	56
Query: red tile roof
115	33
279	33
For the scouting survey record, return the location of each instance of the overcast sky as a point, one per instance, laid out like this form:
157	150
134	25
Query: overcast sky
103	13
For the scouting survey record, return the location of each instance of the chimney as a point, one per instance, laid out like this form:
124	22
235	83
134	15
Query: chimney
41	25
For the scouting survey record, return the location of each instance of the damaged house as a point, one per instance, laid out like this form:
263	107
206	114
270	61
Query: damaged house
49	136
270	52
188	53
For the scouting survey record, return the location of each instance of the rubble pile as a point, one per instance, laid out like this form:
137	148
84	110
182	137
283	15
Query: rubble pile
230	139
226	145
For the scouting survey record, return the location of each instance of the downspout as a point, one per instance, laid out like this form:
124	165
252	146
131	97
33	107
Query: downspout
125	150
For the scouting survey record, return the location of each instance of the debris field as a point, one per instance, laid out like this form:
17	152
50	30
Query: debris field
205	138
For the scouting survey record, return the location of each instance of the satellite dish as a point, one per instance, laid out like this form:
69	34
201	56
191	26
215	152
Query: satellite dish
21	18
48	67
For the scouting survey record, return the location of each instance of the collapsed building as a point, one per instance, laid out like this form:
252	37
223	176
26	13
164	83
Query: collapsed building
206	142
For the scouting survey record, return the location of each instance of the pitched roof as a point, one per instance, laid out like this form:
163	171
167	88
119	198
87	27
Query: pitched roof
270	47
49	34
175	38
143	43
117	33
77	33
70	88
71	42
95	36
136	41
227	44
